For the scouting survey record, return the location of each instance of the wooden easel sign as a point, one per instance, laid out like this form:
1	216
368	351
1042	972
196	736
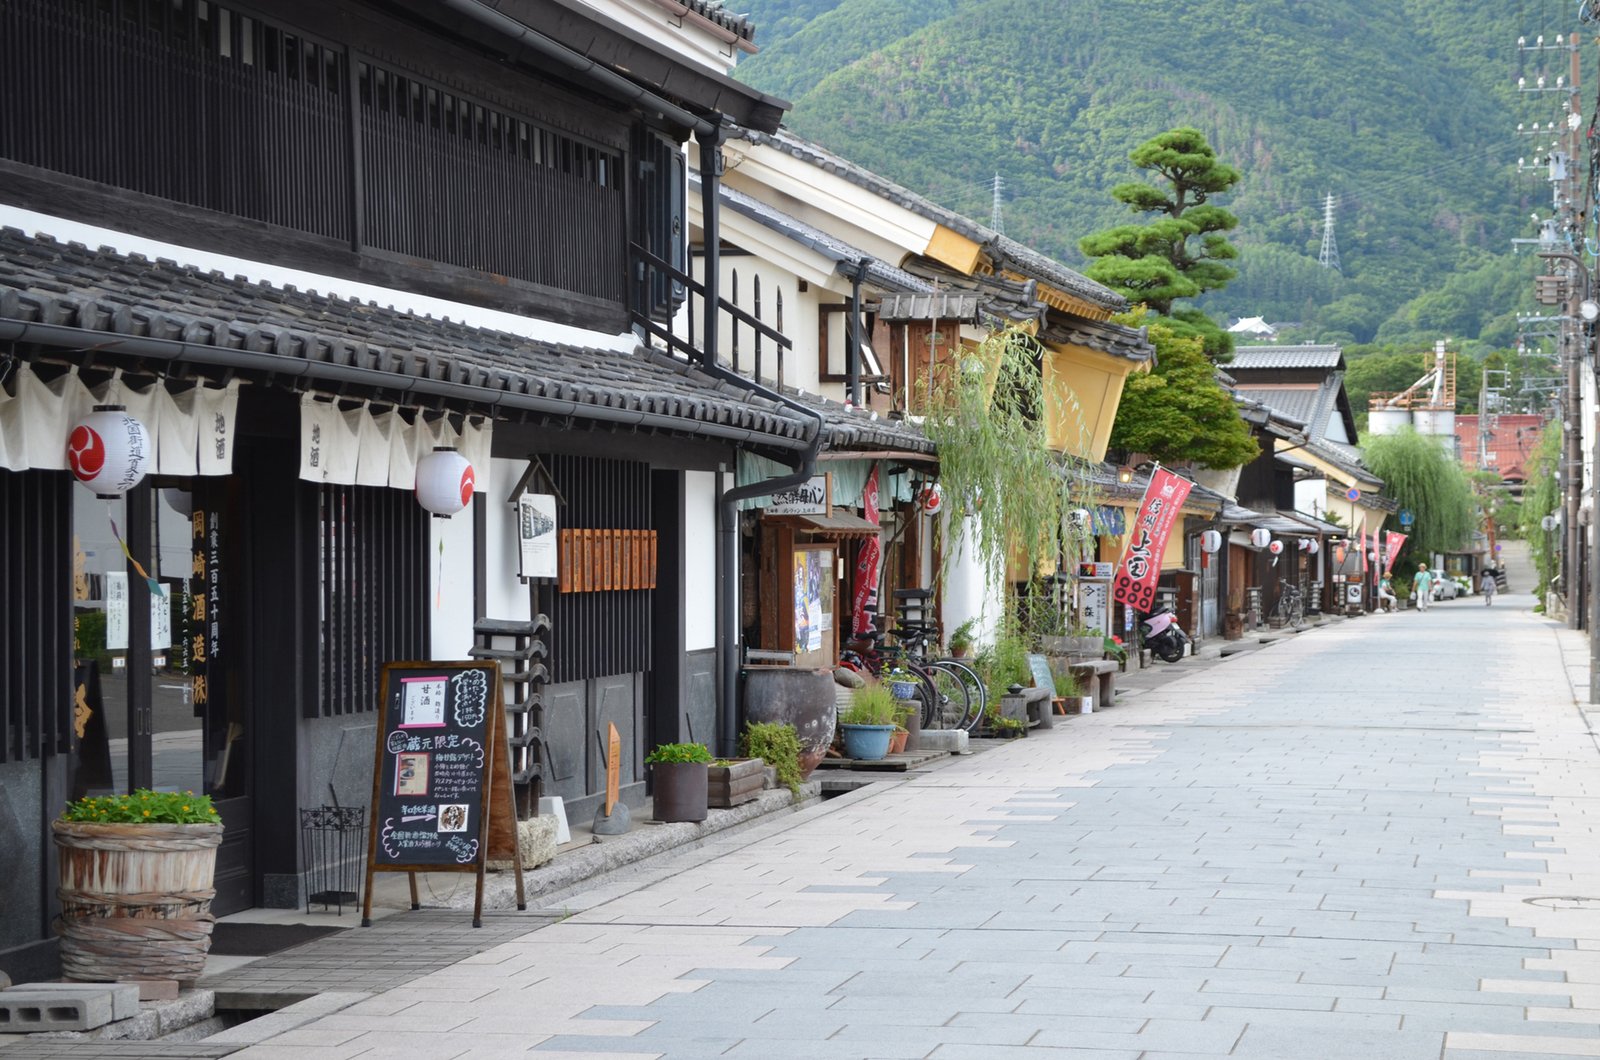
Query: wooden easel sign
441	778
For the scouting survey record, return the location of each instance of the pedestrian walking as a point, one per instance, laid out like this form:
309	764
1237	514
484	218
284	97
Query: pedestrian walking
1422	586
1489	586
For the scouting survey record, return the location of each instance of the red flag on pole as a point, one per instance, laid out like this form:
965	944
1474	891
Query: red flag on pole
1391	544
1140	567
867	556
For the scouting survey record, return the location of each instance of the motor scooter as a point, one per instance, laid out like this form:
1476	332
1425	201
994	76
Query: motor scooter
1163	636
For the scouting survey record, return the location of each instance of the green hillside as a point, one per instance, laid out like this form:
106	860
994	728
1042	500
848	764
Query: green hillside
1403	111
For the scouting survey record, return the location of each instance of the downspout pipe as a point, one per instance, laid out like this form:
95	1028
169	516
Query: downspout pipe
580	65
856	278
805	465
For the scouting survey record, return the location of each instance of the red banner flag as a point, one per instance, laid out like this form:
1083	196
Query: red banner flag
1147	540
867	556
1391	546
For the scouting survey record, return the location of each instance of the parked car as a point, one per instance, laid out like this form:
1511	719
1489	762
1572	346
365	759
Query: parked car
1446	589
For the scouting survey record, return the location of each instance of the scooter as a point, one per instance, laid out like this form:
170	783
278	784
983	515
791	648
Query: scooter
1163	636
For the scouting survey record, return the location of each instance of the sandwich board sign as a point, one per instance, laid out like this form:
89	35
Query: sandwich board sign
441	778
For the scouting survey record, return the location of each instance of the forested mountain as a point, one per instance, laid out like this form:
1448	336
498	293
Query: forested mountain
1403	110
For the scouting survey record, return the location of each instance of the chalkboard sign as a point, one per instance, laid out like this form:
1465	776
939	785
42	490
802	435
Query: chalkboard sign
440	778
1043	677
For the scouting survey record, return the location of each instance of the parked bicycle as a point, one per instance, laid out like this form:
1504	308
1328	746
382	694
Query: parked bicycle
951	692
1291	608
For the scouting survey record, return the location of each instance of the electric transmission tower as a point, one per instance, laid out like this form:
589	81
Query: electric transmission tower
1329	258
997	219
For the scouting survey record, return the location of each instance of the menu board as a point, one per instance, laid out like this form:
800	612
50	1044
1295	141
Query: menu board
441	798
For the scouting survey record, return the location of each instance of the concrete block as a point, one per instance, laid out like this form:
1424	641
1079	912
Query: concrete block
953	741
157	989
124	996
554	806
32	1012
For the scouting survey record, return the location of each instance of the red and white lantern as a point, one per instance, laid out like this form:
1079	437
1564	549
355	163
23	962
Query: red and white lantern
444	482
933	500
1260	538
1313	546
1276	548
1210	541
1303	544
109	451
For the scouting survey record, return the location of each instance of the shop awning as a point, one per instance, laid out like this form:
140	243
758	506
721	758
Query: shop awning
838	525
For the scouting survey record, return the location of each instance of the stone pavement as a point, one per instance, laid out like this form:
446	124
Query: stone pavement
1370	840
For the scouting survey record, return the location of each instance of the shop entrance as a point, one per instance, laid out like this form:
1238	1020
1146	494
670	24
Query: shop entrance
155	655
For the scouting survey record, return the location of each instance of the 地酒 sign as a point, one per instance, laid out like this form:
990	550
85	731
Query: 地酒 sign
1140	568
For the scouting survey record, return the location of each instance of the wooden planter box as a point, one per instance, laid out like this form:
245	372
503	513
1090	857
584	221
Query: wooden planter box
736	783
135	899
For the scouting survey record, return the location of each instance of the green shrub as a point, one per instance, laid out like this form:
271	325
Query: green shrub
679	752
143	807
778	745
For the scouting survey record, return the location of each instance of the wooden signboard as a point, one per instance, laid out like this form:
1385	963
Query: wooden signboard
441	777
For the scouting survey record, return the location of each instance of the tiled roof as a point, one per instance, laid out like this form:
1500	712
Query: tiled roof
714	11
1297	403
1116	339
999	246
961	306
223	320
851	428
880	274
1249	358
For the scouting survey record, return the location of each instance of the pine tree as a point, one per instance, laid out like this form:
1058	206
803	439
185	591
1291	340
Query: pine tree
1179	253
1178	413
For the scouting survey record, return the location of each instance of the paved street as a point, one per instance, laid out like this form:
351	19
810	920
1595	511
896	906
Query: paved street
1371	840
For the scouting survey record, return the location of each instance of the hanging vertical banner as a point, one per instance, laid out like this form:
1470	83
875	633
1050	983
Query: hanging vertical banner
868	554
1141	563
1392	543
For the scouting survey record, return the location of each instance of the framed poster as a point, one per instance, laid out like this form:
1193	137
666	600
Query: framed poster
536	535
814	585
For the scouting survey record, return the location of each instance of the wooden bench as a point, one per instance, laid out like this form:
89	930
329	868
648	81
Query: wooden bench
1099	678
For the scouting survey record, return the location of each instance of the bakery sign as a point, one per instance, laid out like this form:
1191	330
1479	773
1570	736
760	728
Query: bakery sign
812	497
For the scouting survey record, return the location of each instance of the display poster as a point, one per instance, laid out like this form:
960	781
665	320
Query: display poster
813	497
1094	606
813	594
536	535
117	615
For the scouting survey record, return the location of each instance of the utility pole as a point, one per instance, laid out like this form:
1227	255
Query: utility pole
997	213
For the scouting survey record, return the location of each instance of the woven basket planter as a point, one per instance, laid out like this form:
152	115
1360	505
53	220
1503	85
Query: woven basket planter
135	899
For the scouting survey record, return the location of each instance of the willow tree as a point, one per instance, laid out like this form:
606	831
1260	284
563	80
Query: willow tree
1541	498
1420	475
1010	495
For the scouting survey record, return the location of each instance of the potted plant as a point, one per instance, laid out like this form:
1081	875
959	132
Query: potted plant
733	782
902	682
136	885
961	639
868	723
778	746
1003	727
680	781
903	710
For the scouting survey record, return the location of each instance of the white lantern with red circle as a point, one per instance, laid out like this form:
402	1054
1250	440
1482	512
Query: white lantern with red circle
1313	546
444	482
1303	544
1260	538
1275	547
933	500
1210	540
109	451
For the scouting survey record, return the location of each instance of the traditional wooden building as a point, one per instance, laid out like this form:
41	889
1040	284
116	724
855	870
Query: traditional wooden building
305	244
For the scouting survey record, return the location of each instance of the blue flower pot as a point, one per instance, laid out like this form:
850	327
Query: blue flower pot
903	689
866	743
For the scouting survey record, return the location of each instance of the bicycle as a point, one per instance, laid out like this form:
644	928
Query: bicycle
1291	607
944	687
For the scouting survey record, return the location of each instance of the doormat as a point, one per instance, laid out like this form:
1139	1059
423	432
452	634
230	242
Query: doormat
258	940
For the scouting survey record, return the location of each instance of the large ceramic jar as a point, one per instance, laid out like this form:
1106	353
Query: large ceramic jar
798	697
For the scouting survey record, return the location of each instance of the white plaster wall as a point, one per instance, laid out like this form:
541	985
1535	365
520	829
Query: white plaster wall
450	584
966	594
700	560
690	38
507	597
1311	496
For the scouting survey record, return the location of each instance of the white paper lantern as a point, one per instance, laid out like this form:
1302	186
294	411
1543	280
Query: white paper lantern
108	450
1260	538
1313	546
1275	547
933	500
1210	540
444	482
